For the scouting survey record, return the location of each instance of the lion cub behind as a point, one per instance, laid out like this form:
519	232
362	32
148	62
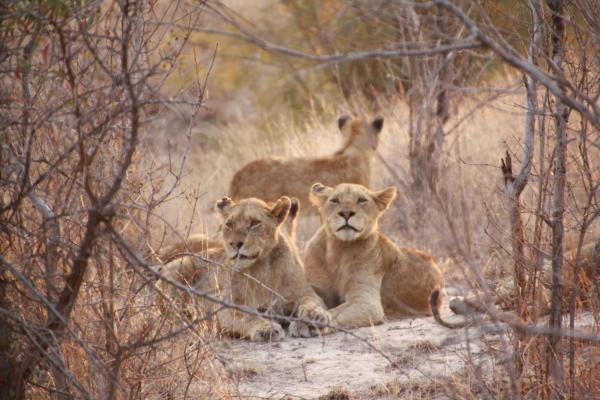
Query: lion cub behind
360	274
271	178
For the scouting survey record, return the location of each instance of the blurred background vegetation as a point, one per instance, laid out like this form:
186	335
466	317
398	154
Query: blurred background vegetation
273	81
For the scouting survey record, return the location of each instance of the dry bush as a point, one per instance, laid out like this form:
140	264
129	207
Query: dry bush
80	82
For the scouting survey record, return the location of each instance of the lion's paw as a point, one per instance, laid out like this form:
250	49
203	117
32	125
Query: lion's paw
303	329
313	319
267	332
317	314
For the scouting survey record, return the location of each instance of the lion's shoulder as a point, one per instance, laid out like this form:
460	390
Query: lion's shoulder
412	254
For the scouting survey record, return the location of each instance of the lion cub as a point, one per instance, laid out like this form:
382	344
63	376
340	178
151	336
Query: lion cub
356	269
271	178
255	267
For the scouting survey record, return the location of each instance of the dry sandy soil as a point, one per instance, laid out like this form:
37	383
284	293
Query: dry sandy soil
408	359
357	365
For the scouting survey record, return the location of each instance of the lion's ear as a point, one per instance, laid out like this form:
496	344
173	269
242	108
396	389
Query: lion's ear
280	209
385	197
224	205
319	193
294	208
377	123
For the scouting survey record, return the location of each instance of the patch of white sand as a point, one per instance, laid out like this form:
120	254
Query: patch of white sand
309	368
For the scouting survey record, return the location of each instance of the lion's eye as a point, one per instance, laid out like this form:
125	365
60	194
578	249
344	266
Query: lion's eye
334	200
362	200
254	224
228	225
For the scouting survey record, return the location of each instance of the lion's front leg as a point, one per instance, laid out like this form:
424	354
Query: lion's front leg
249	326
361	308
357	314
313	316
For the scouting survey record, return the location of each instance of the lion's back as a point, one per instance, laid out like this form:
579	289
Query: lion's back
271	178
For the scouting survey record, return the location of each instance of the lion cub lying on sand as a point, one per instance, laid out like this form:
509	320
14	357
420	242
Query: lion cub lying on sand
271	178
256	267
356	269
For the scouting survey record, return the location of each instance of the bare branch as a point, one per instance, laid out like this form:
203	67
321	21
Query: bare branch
590	111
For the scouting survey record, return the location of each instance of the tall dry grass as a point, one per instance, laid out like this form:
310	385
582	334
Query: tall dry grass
471	178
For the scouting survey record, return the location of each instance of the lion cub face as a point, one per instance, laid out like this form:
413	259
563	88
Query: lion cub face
350	211
249	228
359	134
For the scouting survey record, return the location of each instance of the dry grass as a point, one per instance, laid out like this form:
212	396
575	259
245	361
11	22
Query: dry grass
338	393
471	176
408	390
423	347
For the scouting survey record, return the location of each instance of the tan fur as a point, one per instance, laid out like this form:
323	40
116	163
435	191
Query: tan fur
358	271
195	243
271	178
256	266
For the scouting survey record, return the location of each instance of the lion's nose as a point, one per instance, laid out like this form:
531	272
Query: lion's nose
236	245
347	214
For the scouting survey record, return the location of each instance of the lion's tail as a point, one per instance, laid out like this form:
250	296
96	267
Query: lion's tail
435	301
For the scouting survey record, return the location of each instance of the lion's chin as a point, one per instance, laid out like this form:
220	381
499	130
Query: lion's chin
244	260
347	234
247	257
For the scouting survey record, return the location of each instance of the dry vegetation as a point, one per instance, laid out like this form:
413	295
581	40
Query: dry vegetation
122	122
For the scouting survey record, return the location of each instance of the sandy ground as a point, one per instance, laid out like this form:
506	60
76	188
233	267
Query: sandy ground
407	359
357	366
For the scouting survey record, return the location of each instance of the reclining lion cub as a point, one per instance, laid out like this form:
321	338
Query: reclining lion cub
356	269
256	266
271	178
201	243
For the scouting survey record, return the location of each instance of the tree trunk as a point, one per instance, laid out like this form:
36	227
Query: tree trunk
555	367
7	363
427	131
514	186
